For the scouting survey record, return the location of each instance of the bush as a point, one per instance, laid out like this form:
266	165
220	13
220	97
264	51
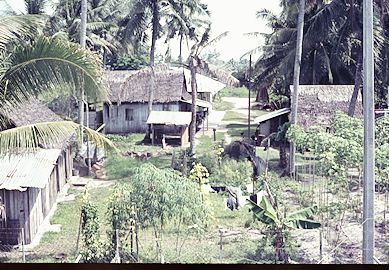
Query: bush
233	173
209	161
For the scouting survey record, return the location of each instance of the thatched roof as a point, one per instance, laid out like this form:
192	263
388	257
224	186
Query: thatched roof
129	86
317	103
217	74
30	112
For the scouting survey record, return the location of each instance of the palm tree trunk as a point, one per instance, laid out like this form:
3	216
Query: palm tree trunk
181	40
296	79
83	44
357	85
192	133
155	30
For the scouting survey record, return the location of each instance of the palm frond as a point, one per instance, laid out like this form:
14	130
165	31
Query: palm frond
14	27
50	62
49	134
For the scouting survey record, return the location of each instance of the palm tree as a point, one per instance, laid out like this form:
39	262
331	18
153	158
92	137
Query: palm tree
194	61
42	65
35	6
296	78
190	16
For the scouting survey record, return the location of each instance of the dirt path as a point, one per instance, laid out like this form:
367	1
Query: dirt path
216	118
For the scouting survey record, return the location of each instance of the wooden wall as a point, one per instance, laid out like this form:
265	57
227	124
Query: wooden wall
114	116
28	209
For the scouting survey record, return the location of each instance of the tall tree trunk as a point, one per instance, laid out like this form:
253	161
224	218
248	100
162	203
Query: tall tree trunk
181	40
192	66
83	44
296	79
155	30
357	85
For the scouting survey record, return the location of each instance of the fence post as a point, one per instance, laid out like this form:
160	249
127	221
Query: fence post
321	245
117	246
24	254
221	240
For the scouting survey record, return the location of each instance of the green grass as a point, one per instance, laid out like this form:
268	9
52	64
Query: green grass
132	142
65	241
232	116
221	105
257	113
236	92
235	130
206	142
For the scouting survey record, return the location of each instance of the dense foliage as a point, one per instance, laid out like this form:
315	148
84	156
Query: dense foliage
342	148
332	46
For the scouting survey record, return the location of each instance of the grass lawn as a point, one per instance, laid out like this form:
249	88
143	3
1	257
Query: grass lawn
65	241
232	116
221	105
235	130
206	142
236	92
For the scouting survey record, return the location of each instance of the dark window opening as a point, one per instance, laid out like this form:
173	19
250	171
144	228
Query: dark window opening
129	115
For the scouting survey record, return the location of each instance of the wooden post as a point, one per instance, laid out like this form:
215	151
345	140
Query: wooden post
267	157
207	119
24	254
321	244
152	134
221	240
214	134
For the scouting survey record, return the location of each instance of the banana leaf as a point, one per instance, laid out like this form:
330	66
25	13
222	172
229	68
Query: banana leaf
264	212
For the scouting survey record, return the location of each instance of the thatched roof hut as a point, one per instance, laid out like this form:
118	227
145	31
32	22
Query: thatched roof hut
133	86
29	112
317	103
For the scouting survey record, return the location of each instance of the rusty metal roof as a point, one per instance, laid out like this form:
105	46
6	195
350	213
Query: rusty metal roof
30	169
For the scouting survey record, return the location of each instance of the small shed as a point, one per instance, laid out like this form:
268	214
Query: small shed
30	181
29	184
318	103
170	125
269	123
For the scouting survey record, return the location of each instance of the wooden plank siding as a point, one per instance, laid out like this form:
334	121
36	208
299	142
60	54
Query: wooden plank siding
114	116
29	208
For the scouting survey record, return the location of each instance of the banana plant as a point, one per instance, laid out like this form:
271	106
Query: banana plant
268	213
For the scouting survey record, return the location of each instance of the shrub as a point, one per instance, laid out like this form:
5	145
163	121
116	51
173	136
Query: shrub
209	161
93	248
233	173
163	196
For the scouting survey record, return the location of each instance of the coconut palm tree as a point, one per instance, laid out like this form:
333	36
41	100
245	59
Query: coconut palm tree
35	6
102	20
195	60
190	16
42	65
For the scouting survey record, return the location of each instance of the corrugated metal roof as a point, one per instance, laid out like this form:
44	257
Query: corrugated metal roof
204	83
169	118
27	170
271	115
199	102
